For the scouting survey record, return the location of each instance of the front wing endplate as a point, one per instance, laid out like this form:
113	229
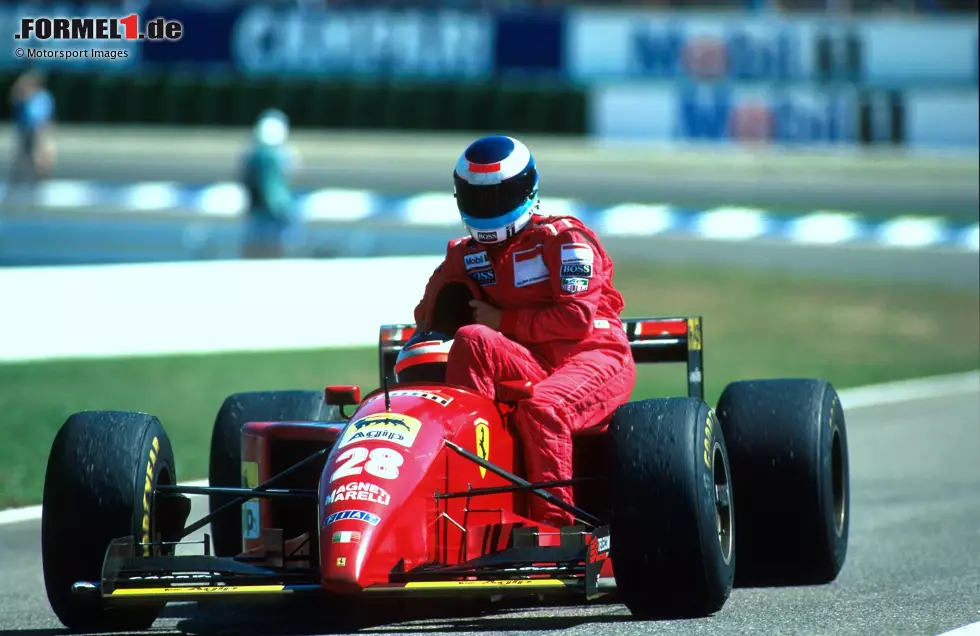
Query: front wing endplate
596	555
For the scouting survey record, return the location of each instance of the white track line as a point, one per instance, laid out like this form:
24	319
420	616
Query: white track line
856	398
973	629
16	515
910	390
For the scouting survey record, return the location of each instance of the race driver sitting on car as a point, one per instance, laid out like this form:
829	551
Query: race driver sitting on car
542	307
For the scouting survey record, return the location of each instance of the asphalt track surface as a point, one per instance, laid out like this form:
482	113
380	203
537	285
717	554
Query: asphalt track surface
404	164
913	565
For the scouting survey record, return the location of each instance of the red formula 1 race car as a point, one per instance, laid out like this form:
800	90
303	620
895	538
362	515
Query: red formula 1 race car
419	492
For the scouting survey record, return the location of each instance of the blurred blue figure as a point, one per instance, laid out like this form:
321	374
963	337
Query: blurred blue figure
33	111
271	221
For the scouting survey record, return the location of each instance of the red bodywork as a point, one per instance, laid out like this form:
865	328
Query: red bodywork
421	489
377	512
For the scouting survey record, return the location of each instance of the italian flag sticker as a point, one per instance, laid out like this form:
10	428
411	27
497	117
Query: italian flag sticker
346	536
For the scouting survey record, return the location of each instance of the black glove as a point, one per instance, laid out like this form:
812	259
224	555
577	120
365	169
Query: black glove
452	309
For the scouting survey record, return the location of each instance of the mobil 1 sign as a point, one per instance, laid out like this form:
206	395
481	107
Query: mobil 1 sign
610	44
366	42
724	113
771	114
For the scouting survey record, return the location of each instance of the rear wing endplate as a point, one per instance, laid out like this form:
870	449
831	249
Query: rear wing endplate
652	340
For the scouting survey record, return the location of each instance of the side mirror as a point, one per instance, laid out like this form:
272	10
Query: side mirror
343	395
514	390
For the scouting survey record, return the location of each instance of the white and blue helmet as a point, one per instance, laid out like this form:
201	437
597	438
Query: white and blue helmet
496	188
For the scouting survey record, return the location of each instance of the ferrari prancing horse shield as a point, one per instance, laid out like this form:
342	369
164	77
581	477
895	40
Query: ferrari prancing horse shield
482	442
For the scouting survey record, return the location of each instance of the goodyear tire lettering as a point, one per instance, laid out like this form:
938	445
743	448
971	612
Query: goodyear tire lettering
707	442
147	489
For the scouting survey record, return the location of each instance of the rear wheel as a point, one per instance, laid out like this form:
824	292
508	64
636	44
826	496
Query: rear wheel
226	449
788	444
102	472
672	523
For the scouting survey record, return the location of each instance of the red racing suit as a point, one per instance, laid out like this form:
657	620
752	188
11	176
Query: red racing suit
560	328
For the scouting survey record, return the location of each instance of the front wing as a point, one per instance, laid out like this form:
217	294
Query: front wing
570	570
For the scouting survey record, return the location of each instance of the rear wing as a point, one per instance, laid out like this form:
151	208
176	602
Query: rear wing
652	340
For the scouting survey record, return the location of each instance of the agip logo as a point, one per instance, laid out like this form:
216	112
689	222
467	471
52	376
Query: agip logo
389	427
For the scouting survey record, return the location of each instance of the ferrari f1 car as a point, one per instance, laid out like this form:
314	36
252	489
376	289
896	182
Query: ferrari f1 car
419	492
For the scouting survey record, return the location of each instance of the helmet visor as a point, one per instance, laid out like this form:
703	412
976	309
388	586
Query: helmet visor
492	201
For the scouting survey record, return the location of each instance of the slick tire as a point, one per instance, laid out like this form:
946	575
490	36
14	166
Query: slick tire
788	445
672	524
101	473
225	466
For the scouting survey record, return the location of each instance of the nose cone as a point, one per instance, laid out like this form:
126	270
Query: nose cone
342	561
368	492
378	509
351	516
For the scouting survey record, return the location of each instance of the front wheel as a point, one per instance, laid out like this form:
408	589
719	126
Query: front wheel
102	472
672	524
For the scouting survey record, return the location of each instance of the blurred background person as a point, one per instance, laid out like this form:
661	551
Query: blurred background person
271	223
32	112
